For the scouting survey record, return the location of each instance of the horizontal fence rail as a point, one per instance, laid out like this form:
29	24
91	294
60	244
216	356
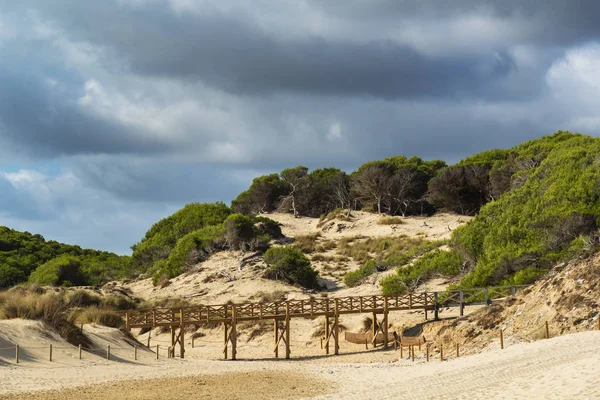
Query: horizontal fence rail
314	307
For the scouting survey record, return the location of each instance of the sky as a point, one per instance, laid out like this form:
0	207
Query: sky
116	113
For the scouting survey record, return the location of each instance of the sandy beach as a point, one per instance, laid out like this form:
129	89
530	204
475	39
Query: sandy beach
557	368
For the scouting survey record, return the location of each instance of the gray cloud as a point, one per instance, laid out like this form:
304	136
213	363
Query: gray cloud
144	105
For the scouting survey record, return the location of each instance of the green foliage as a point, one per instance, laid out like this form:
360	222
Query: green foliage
63	270
355	278
193	248
289	264
239	231
263	195
440	262
553	204
21	253
163	236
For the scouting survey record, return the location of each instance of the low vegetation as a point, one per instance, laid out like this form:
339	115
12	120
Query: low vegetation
291	265
390	221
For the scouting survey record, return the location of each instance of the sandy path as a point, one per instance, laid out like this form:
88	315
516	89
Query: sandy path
558	368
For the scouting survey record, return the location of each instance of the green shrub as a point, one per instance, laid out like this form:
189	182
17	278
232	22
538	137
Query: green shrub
355	278
447	263
266	226
290	264
63	270
239	231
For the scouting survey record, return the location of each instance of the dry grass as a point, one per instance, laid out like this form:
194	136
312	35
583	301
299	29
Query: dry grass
269	297
51	308
339	214
378	248
100	316
326	246
307	243
390	221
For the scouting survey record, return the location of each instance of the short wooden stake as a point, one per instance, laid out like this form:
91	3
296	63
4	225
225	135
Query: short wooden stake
80	352
276	334
367	344
501	340
427	350
135	353
17	353
457	350
395	345
50	353
598	321
193	341
321	342
401	355
547	331
441	352
412	350
108	352
157	347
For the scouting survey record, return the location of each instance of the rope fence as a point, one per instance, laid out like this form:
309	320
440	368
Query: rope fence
117	353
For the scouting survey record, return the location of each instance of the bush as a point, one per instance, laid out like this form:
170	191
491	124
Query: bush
355	278
266	226
447	263
239	231
83	298
289	264
63	270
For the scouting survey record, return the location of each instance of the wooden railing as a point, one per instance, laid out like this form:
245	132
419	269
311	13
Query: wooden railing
313	307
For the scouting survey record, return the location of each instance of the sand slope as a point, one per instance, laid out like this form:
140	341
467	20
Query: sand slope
558	368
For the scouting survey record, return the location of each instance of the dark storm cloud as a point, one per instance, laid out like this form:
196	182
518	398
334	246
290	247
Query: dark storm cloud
232	53
46	121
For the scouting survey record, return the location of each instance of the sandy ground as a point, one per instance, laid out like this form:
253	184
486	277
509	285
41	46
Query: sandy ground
557	368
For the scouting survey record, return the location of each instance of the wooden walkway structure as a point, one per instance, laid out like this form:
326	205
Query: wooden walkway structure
282	312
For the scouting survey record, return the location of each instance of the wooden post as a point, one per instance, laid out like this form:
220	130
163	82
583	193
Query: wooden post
276	333
412	350
513	290
487	297
149	335
366	344
385	322
233	333
108	352
374	327
547	331
336	331
51	353
321	342
441	352
287	330
501	340
17	354
80	352
425	303
326	334
181	335
135	353
395	345
127	321
157	348
172	347
427	350
225	340
401	352
193	339
436	310
462	304
457	350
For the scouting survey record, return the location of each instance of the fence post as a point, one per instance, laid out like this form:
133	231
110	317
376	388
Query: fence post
157	347
80	352
427	349
501	339
50	353
441	352
17	353
435	306
412	350
457	350
487	297
108	352
513	290
193	338
547	331
135	353
401	353
462	304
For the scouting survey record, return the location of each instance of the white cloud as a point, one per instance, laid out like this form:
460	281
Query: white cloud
335	132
